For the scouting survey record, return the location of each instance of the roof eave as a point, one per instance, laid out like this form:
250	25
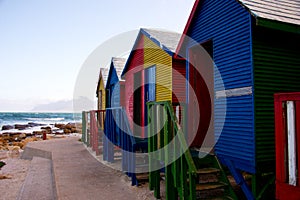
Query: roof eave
158	43
186	28
287	27
130	55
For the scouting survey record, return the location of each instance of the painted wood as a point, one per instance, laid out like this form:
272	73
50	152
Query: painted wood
133	65
291	129
287	134
155	55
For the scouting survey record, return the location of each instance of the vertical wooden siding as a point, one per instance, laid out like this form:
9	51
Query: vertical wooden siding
178	81
135	64
228	25
154	55
276	69
101	96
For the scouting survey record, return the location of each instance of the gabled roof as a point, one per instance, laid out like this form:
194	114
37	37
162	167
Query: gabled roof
103	75
166	40
285	12
117	65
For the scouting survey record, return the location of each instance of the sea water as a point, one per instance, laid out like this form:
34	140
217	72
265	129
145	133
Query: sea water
12	118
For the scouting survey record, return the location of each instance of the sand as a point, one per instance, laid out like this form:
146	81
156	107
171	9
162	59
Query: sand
13	175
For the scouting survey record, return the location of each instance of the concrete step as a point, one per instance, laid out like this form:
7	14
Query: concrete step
39	182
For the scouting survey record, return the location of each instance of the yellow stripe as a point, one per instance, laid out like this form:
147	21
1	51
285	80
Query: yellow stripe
154	55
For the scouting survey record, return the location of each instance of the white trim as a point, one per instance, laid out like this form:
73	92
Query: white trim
234	92
291	143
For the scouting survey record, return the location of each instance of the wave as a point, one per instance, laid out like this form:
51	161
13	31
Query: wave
46	119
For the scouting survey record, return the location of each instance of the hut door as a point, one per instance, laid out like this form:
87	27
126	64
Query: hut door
149	89
137	104
201	82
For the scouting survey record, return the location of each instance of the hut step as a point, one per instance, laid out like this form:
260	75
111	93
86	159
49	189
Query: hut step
210	186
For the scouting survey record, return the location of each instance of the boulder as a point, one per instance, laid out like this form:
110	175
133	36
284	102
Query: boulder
32	124
60	126
47	129
7	127
21	126
67	131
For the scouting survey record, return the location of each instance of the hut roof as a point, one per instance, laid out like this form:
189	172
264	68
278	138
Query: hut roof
119	64
280	10
166	40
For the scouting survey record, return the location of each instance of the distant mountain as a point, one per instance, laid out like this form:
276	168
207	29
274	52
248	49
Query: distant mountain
76	105
58	106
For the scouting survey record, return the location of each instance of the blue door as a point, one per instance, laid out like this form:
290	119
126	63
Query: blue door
149	89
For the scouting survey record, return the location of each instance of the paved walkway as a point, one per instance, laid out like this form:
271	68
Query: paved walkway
76	174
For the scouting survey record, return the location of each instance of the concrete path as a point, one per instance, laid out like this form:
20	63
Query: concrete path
76	173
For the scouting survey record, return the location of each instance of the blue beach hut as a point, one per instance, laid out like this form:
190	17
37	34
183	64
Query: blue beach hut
114	98
255	48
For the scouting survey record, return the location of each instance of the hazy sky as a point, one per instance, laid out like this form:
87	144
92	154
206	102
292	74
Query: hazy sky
43	43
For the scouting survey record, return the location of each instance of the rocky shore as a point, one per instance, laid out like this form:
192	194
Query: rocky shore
18	135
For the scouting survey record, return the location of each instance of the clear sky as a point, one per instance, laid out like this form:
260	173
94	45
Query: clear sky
43	43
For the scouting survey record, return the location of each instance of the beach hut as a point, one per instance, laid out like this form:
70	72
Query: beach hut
152	74
114	93
115	85
100	94
255	48
100	90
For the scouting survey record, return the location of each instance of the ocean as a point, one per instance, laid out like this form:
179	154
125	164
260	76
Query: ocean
12	118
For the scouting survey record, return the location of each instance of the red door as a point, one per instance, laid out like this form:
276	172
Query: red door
200	103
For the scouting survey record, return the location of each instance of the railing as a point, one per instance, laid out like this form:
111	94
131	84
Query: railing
118	133
165	133
92	129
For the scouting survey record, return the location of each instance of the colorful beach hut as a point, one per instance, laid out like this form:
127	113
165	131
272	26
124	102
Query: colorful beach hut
115	84
101	98
152	74
100	90
114	99
255	48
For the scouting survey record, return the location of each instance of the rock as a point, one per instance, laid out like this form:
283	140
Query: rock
22	136
37	132
32	124
21	126
7	127
74	130
67	131
2	164
69	126
47	129
60	126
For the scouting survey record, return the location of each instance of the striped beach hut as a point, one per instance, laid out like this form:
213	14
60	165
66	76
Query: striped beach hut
152	74
114	99
101	98
115	85
100	90
255	48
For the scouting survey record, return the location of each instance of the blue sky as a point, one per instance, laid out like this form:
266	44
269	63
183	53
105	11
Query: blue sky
43	43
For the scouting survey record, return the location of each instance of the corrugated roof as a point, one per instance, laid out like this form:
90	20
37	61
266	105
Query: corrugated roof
104	72
119	64
287	11
166	40
103	75
163	38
